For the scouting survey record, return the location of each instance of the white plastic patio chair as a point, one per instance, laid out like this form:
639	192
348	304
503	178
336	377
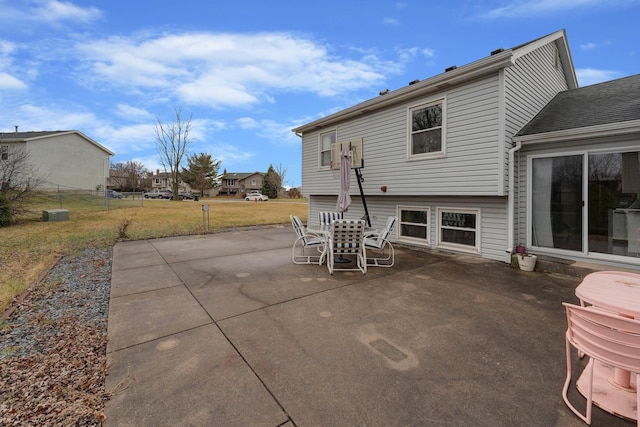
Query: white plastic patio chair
326	218
604	337
346	238
305	241
379	242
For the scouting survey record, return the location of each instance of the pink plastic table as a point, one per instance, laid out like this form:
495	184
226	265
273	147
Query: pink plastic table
619	292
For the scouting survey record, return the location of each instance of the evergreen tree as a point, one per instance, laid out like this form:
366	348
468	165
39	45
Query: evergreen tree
201	172
271	183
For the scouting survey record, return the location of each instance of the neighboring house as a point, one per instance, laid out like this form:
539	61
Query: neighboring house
439	154
240	183
66	160
163	181
117	180
578	175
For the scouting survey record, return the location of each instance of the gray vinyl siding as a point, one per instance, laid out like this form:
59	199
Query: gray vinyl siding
529	86
469	168
492	216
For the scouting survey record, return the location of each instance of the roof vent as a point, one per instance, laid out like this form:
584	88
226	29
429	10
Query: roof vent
384	92
412	82
497	51
453	67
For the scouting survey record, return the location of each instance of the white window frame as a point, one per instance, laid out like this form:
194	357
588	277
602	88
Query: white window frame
412	239
321	151
458	246
4	152
443	127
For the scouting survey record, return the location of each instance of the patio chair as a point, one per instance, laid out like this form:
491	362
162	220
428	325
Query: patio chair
604	337
379	242
346	238
306	241
326	218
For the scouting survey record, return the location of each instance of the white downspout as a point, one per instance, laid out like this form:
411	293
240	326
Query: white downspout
511	203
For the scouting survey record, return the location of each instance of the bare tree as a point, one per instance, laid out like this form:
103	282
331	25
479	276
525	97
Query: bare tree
127	176
118	175
18	178
173	142
135	173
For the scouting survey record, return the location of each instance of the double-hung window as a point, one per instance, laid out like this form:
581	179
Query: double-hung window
426	130
414	224
326	139
4	152
459	229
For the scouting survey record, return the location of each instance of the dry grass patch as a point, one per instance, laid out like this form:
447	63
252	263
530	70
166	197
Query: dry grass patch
27	249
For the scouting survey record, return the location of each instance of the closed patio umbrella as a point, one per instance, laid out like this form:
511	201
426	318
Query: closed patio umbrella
344	199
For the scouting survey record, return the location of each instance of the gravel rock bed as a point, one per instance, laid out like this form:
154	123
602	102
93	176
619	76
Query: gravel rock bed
53	347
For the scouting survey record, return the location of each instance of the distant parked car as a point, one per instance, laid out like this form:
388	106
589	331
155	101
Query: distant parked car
187	195
158	194
256	196
114	194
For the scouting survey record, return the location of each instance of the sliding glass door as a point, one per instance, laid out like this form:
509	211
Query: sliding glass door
557	202
588	202
614	205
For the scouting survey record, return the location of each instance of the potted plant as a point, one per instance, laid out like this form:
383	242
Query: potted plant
526	261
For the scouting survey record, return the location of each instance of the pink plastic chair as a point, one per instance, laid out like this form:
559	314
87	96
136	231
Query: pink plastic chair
604	337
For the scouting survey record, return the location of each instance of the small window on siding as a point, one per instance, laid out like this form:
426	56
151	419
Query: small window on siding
459	229
414	224
326	139
4	152
426	130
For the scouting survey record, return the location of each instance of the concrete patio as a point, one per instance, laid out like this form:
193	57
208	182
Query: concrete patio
224	330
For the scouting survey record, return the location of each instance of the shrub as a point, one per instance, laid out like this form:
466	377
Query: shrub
5	211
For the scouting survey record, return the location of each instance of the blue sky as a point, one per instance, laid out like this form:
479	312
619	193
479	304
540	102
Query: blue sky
249	71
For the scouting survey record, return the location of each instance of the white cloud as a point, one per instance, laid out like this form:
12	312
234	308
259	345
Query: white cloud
536	7
221	70
247	123
428	52
588	46
390	21
53	11
589	76
277	133
50	12
34	117
125	139
231	155
8	81
592	45
133	113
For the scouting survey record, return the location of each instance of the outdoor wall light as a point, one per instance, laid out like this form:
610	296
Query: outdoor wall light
383	188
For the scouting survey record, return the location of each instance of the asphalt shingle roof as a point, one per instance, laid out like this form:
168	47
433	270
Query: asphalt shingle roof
26	135
614	101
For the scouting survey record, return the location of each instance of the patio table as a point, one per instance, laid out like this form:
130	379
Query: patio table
325	231
618	292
